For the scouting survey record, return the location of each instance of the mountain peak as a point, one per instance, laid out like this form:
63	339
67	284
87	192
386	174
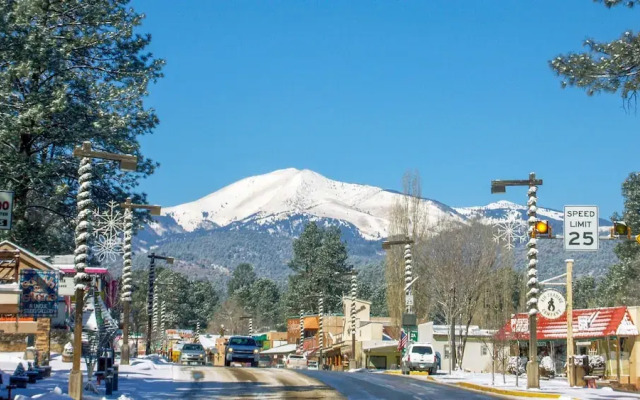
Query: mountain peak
284	193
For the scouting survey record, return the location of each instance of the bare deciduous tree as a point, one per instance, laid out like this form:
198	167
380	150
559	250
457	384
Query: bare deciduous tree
459	262
408	217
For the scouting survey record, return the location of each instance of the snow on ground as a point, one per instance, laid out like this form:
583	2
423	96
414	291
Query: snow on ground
556	385
144	375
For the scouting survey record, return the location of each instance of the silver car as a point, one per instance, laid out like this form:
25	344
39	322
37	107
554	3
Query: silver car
193	353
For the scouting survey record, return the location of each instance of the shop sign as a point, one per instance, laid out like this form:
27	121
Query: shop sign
551	304
585	321
66	286
520	325
39	297
627	328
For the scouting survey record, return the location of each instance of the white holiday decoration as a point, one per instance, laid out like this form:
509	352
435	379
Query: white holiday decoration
510	232
108	232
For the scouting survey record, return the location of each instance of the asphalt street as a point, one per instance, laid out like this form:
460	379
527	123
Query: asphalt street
367	385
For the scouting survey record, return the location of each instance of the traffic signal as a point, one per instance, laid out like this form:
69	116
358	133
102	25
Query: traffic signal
542	229
619	229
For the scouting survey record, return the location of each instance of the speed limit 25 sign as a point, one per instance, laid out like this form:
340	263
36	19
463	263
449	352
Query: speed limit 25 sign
6	208
581	228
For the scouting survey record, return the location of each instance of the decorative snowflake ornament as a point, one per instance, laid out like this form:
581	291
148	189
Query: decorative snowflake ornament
108	231
510	231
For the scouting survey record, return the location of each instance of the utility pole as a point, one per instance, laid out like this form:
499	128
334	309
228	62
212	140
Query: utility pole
150	294
127	277
354	290
571	371
499	186
81	252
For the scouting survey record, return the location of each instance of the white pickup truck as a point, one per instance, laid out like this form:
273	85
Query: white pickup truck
296	361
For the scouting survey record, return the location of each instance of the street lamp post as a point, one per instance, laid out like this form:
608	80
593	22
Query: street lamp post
126	271
81	278
499	186
354	291
152	278
408	317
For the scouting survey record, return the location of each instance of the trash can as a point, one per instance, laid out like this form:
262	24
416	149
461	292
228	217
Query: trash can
115	378
109	382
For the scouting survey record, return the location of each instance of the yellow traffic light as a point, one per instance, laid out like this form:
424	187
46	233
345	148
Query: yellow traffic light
542	229
620	228
638	238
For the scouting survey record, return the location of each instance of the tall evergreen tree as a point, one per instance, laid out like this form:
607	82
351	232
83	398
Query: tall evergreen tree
70	71
620	286
241	281
319	267
605	66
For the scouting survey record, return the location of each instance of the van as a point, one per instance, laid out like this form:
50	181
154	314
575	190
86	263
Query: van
419	357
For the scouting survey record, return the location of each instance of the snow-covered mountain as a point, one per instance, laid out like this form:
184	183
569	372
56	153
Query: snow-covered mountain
272	199
255	220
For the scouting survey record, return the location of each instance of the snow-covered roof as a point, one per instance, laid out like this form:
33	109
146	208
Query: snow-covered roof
286	349
474	330
27	252
208	342
379	344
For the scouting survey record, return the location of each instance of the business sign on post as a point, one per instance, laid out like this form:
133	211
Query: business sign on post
6	208
66	286
39	297
581	228
551	304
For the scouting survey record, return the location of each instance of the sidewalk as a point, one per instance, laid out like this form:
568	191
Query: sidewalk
553	388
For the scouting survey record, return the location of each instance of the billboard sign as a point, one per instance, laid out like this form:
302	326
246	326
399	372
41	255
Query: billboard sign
39	293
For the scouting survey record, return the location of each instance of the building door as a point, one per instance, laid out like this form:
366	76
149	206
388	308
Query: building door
378	362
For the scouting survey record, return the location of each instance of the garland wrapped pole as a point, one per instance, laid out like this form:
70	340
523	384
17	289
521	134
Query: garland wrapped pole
354	290
81	253
499	186
321	328
301	345
127	277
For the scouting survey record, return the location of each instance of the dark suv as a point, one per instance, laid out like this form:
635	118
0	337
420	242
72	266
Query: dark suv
243	349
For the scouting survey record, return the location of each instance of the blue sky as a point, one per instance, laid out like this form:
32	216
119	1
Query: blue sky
362	91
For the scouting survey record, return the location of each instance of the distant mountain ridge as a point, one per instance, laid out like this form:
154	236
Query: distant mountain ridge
255	219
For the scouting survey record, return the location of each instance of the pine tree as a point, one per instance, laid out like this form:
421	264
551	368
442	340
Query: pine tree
319	264
604	67
70	71
620	286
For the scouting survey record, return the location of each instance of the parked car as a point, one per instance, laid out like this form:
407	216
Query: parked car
313	365
296	361
419	357
264	361
243	349
193	353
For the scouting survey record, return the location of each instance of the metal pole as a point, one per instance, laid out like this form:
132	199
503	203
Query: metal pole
152	277
156	318
126	285
301	345
354	289
81	278
570	353
321	329
533	378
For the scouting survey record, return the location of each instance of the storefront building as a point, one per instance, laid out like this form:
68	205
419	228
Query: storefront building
609	332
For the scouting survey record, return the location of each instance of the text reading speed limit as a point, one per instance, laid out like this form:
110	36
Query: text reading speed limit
581	228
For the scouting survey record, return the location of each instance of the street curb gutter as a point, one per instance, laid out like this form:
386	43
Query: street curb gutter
506	392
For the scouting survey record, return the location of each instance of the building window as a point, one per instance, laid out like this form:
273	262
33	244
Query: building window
484	350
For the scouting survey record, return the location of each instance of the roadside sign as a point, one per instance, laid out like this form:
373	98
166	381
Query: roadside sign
6	209
581	228
39	297
551	304
413	336
66	286
409	300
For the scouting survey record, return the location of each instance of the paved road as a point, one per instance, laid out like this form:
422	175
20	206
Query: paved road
366	385
236	382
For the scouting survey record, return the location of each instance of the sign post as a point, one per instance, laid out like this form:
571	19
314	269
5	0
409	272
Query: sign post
6	209
581	228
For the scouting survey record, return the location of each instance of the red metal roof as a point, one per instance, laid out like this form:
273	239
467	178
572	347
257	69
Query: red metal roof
587	323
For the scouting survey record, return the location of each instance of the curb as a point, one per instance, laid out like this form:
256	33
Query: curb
399	372
507	392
